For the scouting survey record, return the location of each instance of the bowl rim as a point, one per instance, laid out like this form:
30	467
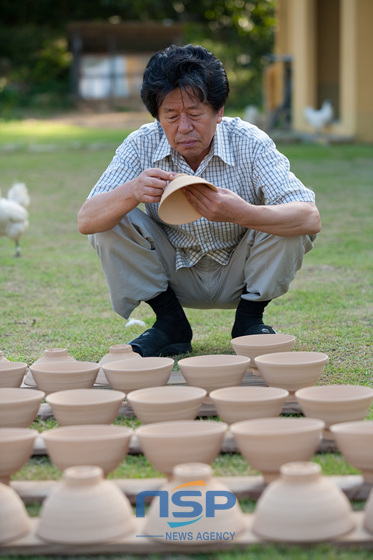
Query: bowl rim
235	360
245	340
367	393
195	393
280	393
18	434
63	433
117	396
81	367
309	425
31	395
141	366
211	427
279	358
10	366
346	428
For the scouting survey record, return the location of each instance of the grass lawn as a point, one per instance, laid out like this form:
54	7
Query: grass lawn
55	295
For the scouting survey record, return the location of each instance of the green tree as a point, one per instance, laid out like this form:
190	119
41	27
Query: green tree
34	57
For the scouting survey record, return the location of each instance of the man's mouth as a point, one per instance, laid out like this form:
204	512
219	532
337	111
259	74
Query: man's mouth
187	143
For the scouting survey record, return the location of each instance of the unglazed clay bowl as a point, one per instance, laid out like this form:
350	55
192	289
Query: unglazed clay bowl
12	373
368	513
162	404
335	403
291	370
116	352
213	371
85	509
100	445
268	443
15	522
167	444
60	376
258	344
50	355
132	374
302	506
85	406
355	441
174	208
18	406
16	446
234	404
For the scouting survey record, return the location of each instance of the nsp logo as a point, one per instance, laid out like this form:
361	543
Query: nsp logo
183	506
182	499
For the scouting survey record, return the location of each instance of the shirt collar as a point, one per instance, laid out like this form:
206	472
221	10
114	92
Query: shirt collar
220	147
164	149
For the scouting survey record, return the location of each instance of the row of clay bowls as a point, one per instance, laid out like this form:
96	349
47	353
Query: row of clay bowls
331	403
266	444
301	506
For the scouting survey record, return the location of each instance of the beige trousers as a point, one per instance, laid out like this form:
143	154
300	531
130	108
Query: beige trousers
139	263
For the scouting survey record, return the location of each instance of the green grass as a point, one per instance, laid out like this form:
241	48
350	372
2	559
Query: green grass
56	294
32	134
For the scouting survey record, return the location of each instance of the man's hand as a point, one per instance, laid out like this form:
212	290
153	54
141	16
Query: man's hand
149	185
221	206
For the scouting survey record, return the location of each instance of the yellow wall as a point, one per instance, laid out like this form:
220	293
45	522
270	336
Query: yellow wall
331	44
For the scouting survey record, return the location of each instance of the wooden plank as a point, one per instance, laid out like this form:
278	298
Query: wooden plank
242	486
132	544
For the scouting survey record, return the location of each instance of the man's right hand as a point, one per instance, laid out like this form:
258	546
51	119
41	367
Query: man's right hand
149	185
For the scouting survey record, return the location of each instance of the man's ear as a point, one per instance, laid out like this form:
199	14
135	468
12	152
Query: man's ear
219	115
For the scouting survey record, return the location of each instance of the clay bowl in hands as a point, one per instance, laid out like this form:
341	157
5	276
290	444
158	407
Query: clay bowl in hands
163	404
60	376
85	509
213	371
234	404
100	445
291	370
302	506
15	522
355	441
167	444
18	406
174	208
12	373
85	406
16	446
132	374
335	403
258	344
268	443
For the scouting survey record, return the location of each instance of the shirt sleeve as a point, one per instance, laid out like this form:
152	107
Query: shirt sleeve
124	167
274	182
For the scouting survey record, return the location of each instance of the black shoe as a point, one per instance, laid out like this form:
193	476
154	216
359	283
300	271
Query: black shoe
258	329
154	342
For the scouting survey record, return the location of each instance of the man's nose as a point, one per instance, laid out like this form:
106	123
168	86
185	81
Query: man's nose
185	124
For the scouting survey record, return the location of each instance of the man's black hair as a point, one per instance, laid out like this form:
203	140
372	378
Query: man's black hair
190	68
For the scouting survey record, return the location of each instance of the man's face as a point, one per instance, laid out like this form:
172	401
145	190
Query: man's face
189	125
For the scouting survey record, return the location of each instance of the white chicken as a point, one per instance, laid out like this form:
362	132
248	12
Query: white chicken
14	214
318	118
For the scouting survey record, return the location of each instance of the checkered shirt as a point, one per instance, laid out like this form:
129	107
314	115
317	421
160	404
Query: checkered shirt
242	158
